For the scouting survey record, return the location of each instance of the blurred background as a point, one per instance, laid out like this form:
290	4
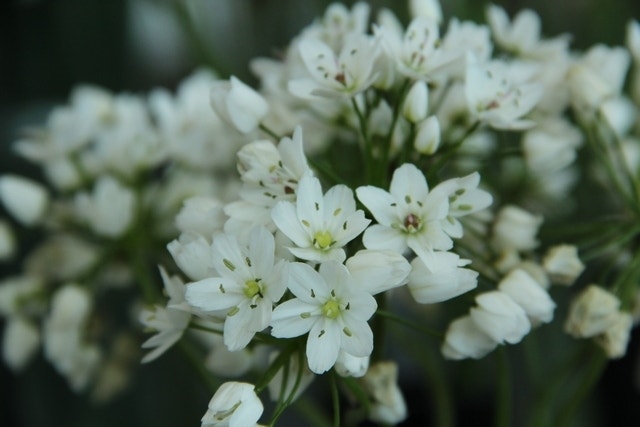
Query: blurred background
49	46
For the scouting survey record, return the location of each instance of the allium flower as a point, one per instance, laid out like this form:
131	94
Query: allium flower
269	174
442	280
500	317
416	53
250	281
170	322
592	312
464	339
320	225
408	216
332	308
500	94
24	199
110	209
562	264
234	404
520	36
523	289
381	381
334	76
515	229
238	104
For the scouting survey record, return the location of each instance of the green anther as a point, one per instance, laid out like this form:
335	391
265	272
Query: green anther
228	264
346	331
323	239
460	191
331	309
305	315
465	207
407	199
337	212
305	223
233	311
251	288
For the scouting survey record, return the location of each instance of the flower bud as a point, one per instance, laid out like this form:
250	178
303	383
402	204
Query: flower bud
381	381
416	103
351	366
465	340
515	228
234	404
428	136
562	264
592	312
524	290
201	215
442	280
428	8
615	339
20	342
238	104
24	199
192	254
500	317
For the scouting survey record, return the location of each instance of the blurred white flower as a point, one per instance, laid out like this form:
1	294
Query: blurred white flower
515	229
238	104
500	317
234	404
562	264
442	280
381	382
464	339
533	298
592	312
25	199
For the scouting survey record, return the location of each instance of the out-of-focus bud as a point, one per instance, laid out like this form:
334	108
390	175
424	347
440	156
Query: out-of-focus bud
351	366
615	339
428	136
525	290
428	8
24	199
416	104
516	229
20	342
500	317
562	264
592	312
381	381
465	340
238	104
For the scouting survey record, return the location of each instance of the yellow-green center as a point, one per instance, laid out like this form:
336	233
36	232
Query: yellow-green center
331	309
323	239
251	288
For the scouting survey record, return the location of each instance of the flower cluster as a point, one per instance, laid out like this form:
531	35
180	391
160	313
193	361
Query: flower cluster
386	174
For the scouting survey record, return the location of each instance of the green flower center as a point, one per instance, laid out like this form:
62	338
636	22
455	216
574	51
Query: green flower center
323	239
331	309
252	288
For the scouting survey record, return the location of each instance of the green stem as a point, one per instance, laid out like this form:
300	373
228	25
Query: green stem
275	366
367	149
594	370
313	415
335	398
504	400
264	128
452	148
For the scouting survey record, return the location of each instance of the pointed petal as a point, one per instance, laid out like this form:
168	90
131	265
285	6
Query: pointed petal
323	345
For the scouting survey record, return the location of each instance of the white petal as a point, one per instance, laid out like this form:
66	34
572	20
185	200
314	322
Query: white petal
358	338
215	293
381	237
379	203
287	322
286	219
307	284
378	270
409	180
323	345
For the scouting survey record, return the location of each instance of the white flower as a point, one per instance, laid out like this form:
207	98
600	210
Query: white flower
344	75
24	199
378	270
110	209
614	340
416	54
500	317
201	215
442	280
62	257
320	225
515	228
523	289
562	264
332	308
416	103
238	104
520	36
269	174
250	281
592	312
192	254
408	215
464	197
234	404
169	322
499	94
16	294
338	23
20	342
464	339
551	146
381	381
427	8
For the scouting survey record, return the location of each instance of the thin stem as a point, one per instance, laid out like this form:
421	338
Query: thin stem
594	370
313	415
335	399
504	400
366	147
452	148
264	128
